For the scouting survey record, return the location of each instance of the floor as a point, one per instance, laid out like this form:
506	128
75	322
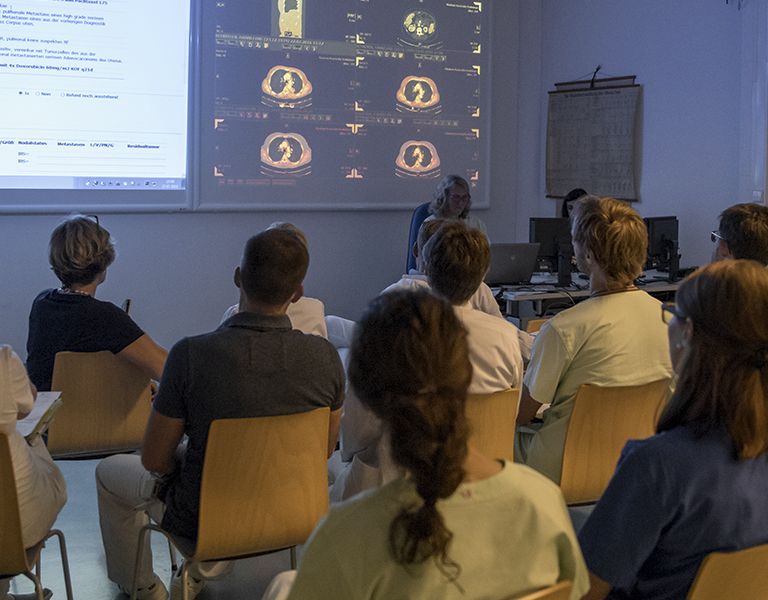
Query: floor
80	524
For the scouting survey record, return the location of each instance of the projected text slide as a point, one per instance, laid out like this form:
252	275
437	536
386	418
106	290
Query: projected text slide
94	94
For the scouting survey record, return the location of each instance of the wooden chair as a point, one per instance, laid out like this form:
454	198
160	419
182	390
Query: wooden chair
559	591
14	558
264	488
602	421
741	574
107	402
533	325
492	422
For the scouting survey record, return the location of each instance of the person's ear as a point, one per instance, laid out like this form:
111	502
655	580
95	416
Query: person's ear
298	293
238	278
725	251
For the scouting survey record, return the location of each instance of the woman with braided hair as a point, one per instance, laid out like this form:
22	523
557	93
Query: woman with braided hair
700	485
457	524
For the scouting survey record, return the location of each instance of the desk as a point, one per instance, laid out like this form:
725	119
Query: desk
542	291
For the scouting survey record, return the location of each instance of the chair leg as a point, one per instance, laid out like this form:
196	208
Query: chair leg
293	557
38	586
172	552
139	555
184	579
64	561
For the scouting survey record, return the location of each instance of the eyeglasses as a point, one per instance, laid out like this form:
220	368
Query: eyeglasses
95	218
715	236
670	310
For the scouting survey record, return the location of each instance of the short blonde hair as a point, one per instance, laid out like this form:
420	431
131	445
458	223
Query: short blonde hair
613	233
79	250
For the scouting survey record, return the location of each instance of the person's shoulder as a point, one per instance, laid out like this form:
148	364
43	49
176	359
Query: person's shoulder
374	507
310	304
527	482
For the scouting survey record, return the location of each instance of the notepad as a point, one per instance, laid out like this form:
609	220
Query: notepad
36	423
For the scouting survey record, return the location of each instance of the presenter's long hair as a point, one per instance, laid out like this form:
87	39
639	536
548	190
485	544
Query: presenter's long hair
723	379
409	364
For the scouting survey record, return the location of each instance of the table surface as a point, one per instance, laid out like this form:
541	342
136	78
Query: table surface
542	287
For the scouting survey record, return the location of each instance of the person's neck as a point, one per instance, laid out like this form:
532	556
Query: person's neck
600	284
265	310
478	466
86	289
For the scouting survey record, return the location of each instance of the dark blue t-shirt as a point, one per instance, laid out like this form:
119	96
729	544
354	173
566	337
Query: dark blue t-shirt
60	322
674	499
251	366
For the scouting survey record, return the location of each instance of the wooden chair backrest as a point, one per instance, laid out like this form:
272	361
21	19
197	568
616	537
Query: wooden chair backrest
13	558
533	325
107	402
559	591
741	574
492	422
602	421
265	484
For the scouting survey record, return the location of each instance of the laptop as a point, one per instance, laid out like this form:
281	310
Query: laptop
512	263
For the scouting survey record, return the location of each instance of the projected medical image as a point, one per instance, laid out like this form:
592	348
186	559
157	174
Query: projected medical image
418	158
363	105
418	94
287	154
420	29
289	15
286	87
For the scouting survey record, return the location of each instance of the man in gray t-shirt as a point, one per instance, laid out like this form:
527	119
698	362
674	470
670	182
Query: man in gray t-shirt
255	364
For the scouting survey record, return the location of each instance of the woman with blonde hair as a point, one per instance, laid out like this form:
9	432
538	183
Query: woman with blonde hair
70	318
614	338
459	524
700	484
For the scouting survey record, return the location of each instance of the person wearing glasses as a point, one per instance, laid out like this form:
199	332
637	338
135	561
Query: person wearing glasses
700	484
452	201
70	318
614	338
743	233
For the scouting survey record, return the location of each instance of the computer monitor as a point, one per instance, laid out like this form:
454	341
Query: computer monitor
553	234
662	244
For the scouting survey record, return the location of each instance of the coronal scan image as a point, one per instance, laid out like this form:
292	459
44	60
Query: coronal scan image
286	87
417	159
288	15
286	154
419	29
418	93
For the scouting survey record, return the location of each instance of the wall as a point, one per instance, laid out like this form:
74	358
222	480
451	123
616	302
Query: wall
686	55
177	268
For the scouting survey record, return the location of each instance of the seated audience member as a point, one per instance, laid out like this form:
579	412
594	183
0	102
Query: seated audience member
452	201
456	258
569	199
306	314
613	338
482	299
459	524
700	484
743	233
70	318
39	483
254	365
